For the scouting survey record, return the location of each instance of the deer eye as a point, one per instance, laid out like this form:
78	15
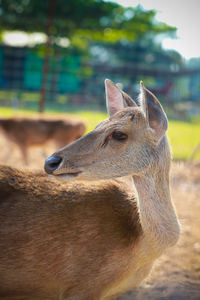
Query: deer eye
119	136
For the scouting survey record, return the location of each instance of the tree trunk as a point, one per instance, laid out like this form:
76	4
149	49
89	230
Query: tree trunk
55	75
50	19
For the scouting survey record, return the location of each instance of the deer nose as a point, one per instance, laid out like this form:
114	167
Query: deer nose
52	163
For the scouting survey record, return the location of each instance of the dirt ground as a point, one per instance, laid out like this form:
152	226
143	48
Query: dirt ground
176	275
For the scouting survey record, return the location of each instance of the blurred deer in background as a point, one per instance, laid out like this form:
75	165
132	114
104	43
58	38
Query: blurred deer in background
27	132
91	240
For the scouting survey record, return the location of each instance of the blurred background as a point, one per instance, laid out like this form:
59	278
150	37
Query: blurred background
54	58
55	55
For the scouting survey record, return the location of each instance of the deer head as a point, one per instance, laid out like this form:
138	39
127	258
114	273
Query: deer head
127	143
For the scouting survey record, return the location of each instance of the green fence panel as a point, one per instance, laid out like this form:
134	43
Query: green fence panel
1	63
68	83
66	66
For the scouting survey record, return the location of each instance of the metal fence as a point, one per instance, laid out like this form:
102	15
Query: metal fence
73	81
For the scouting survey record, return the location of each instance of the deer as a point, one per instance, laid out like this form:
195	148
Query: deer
27	132
93	227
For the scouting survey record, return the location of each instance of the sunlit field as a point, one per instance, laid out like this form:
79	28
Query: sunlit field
184	136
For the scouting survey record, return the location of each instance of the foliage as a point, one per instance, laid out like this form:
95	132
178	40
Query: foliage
194	62
144	52
81	22
91	19
130	25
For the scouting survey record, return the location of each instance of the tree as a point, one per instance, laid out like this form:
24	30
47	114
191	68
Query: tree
89	19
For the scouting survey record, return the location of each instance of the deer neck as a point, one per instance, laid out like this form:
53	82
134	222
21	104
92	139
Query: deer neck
157	215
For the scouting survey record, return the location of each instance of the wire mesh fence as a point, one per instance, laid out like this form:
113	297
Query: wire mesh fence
73	80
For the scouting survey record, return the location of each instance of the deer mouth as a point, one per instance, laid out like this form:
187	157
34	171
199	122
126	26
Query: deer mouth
68	175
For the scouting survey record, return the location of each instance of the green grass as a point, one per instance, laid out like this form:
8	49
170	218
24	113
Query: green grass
184	136
92	118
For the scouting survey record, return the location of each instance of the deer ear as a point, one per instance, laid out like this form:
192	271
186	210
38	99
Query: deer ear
143	100
154	112
116	99
128	101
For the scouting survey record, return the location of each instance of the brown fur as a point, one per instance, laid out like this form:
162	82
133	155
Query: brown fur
91	240
47	227
27	132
